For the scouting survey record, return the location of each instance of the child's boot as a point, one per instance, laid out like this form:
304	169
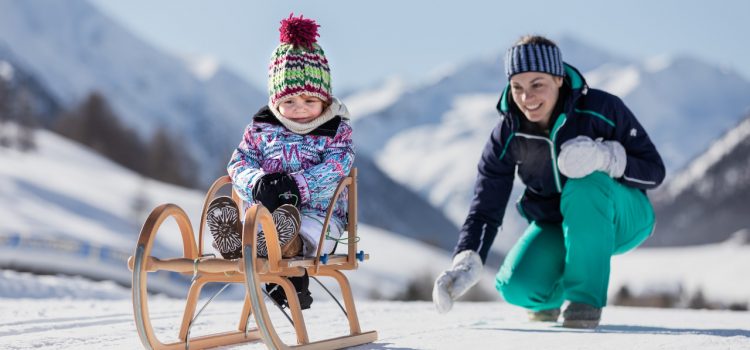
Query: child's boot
224	224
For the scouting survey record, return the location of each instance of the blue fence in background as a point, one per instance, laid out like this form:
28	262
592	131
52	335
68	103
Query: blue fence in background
32	246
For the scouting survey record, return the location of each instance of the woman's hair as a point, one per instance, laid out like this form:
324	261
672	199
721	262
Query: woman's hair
534	39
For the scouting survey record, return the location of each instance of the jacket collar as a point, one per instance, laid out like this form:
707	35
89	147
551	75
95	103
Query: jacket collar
328	129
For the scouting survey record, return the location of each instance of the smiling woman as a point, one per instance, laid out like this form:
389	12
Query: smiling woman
586	163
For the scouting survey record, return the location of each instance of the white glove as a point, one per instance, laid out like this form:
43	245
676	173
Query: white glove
454	282
582	156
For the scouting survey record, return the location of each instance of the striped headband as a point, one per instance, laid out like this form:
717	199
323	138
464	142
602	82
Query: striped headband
534	58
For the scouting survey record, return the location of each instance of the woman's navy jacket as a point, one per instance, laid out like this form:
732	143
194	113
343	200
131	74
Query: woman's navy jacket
515	146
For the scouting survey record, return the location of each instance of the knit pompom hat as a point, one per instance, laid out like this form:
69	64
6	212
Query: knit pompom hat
298	65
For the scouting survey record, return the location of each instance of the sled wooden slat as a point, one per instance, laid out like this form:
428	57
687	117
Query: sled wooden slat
250	270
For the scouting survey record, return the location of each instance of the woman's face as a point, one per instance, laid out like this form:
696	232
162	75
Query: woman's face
536	94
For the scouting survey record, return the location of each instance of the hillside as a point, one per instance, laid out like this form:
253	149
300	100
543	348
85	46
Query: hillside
706	202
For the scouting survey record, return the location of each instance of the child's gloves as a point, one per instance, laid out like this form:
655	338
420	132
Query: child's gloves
276	189
454	282
582	156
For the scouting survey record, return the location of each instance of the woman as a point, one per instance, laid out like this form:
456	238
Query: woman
586	163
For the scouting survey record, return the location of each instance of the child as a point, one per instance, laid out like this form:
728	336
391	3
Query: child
293	155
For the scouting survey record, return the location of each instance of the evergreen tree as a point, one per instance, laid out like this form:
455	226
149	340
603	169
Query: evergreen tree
5	109
25	137
94	124
169	162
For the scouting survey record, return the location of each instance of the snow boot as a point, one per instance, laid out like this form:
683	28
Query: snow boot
580	315
549	315
224	224
287	220
301	285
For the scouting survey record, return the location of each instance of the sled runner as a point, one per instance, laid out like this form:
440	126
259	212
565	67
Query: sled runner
250	270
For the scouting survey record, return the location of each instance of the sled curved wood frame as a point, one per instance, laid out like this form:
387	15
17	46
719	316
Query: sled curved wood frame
250	270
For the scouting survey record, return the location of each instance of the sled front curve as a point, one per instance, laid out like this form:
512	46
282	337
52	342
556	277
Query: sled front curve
142	263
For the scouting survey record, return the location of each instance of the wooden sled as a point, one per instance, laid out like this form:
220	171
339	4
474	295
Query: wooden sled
250	270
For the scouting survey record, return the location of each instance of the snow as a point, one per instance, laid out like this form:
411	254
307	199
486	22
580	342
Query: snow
658	63
59	324
615	79
203	67
6	71
714	270
369	101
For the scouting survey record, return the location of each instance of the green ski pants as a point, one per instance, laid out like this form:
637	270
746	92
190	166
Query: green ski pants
552	263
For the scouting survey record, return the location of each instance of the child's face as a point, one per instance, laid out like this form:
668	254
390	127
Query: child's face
301	108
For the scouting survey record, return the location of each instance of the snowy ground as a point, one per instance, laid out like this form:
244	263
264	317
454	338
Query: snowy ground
56	324
80	314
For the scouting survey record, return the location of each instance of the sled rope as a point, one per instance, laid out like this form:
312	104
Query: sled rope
331	294
190	325
343	240
281	307
289	194
195	265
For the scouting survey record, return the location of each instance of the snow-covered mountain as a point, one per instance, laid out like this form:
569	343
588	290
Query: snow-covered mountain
73	49
432	135
706	201
684	104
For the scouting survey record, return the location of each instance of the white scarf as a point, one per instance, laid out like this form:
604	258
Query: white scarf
336	108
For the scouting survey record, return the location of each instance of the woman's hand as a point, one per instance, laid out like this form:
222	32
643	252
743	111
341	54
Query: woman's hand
582	156
454	282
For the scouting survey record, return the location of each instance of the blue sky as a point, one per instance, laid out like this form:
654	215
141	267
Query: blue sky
366	41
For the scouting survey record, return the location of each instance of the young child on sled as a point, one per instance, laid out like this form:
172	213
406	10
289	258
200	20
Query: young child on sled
292	156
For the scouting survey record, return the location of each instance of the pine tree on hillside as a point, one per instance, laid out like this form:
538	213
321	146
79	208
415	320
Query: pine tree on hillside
4	113
94	124
17	118
25	137
168	162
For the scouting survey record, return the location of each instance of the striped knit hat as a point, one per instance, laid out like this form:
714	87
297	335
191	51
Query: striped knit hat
298	65
534	57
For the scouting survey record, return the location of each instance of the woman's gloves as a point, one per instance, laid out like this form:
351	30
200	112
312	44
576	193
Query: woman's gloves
276	189
454	282
582	156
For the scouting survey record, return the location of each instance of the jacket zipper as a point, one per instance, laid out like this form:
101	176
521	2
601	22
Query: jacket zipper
551	142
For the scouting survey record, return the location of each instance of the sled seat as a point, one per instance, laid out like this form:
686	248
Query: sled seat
250	270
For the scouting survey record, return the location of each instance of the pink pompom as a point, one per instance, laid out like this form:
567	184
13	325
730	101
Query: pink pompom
299	31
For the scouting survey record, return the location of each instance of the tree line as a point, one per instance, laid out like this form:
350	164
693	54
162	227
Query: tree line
94	124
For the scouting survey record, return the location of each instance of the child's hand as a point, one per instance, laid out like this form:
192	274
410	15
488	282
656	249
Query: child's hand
274	190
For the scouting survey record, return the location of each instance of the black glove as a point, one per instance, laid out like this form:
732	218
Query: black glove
275	190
